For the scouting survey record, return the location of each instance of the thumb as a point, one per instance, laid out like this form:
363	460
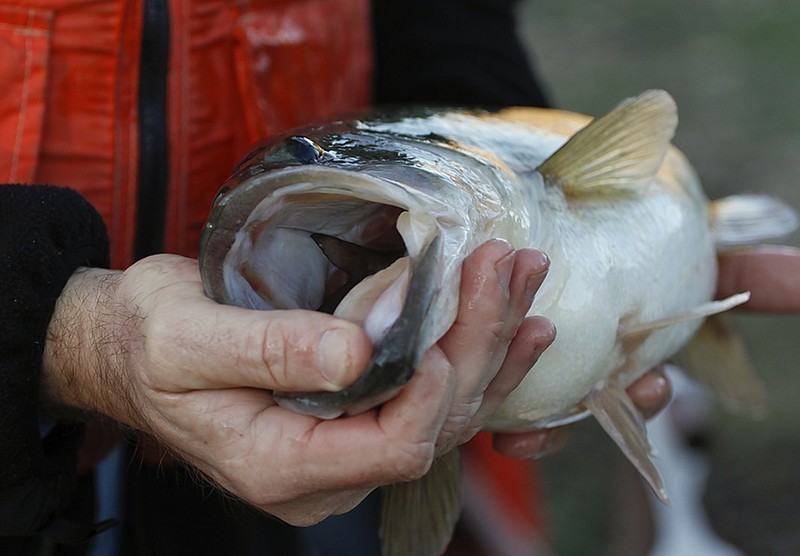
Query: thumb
192	342
229	347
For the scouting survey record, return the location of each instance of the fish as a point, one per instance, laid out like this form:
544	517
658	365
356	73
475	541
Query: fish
370	218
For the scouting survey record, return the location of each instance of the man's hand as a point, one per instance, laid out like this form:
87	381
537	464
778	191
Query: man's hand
147	348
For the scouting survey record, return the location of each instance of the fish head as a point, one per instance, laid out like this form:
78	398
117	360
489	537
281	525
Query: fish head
369	225
284	196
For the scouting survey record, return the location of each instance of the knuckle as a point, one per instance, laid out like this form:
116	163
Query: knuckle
411	460
455	425
335	504
503	331
301	507
272	349
283	503
459	426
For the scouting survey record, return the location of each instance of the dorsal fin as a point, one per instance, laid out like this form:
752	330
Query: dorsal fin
618	153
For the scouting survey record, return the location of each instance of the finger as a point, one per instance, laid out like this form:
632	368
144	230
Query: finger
651	393
771	274
534	336
492	303
530	270
275	350
237	433
313	508
518	345
471	341
531	445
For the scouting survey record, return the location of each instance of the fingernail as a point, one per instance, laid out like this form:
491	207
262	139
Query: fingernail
545	337
653	394
334	358
553	442
540	268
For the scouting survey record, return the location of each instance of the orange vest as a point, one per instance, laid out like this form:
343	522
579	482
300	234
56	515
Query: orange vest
238	72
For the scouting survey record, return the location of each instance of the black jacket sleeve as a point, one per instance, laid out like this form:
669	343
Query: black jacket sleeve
45	234
455	52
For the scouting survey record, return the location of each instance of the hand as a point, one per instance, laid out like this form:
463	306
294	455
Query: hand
148	349
770	273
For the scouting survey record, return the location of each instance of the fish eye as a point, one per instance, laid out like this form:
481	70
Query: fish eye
304	150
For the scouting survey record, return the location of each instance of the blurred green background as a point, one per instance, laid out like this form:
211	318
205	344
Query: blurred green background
733	67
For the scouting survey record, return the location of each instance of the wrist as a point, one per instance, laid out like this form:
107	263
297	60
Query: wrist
85	349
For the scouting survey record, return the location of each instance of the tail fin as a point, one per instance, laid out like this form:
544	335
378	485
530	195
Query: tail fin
741	220
717	356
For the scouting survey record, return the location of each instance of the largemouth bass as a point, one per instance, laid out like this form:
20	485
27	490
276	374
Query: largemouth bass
370	219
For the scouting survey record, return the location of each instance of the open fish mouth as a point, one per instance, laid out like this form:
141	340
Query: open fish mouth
310	251
354	251
365	222
396	355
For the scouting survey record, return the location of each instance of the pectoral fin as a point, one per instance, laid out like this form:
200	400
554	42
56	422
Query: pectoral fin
614	410
418	517
633	334
618	153
717	357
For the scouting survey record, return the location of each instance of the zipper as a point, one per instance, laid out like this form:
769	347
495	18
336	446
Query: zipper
153	154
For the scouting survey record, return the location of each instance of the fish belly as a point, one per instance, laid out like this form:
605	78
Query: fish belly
614	265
